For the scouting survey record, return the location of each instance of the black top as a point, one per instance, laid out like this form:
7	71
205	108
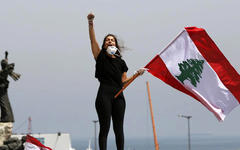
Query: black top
109	70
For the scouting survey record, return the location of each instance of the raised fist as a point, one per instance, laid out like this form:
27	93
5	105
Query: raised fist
90	17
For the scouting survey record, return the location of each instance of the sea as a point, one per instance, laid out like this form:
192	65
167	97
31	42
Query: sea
170	143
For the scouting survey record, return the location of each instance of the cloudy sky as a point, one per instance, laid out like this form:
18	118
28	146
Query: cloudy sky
49	42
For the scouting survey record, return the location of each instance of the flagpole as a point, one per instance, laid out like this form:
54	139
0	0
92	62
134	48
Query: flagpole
153	124
127	84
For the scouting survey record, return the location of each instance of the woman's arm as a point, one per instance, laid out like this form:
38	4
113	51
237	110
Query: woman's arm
94	44
125	79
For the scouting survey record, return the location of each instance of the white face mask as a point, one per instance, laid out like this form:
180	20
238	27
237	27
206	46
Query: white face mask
111	50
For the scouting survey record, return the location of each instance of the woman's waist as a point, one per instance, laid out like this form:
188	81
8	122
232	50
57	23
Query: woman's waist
110	85
110	82
109	89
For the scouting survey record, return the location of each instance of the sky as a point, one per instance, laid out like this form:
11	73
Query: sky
49	43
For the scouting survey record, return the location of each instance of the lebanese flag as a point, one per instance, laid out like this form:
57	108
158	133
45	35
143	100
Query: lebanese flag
193	64
33	144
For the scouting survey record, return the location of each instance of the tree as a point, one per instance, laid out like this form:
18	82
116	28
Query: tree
191	70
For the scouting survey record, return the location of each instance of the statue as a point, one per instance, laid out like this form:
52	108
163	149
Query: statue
7	118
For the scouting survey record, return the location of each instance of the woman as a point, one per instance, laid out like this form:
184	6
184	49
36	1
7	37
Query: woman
111	71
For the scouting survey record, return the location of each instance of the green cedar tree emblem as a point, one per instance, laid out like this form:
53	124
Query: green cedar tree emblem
191	70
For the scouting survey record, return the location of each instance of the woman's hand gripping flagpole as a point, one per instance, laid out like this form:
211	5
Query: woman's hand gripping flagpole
135	75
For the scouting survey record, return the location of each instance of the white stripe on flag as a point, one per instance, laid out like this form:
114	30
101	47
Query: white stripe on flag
30	146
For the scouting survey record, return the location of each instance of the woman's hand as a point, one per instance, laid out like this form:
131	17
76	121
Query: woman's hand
141	71
90	17
125	79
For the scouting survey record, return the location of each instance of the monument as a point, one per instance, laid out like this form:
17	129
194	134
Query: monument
7	117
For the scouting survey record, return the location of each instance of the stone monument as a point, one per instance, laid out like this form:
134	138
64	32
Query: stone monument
7	118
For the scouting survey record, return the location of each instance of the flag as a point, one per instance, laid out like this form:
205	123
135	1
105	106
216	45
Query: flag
33	144
193	64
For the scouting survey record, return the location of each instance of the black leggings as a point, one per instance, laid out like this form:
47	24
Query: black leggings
108	107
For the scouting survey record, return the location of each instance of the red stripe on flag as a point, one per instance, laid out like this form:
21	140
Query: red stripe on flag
158	68
34	141
209	50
